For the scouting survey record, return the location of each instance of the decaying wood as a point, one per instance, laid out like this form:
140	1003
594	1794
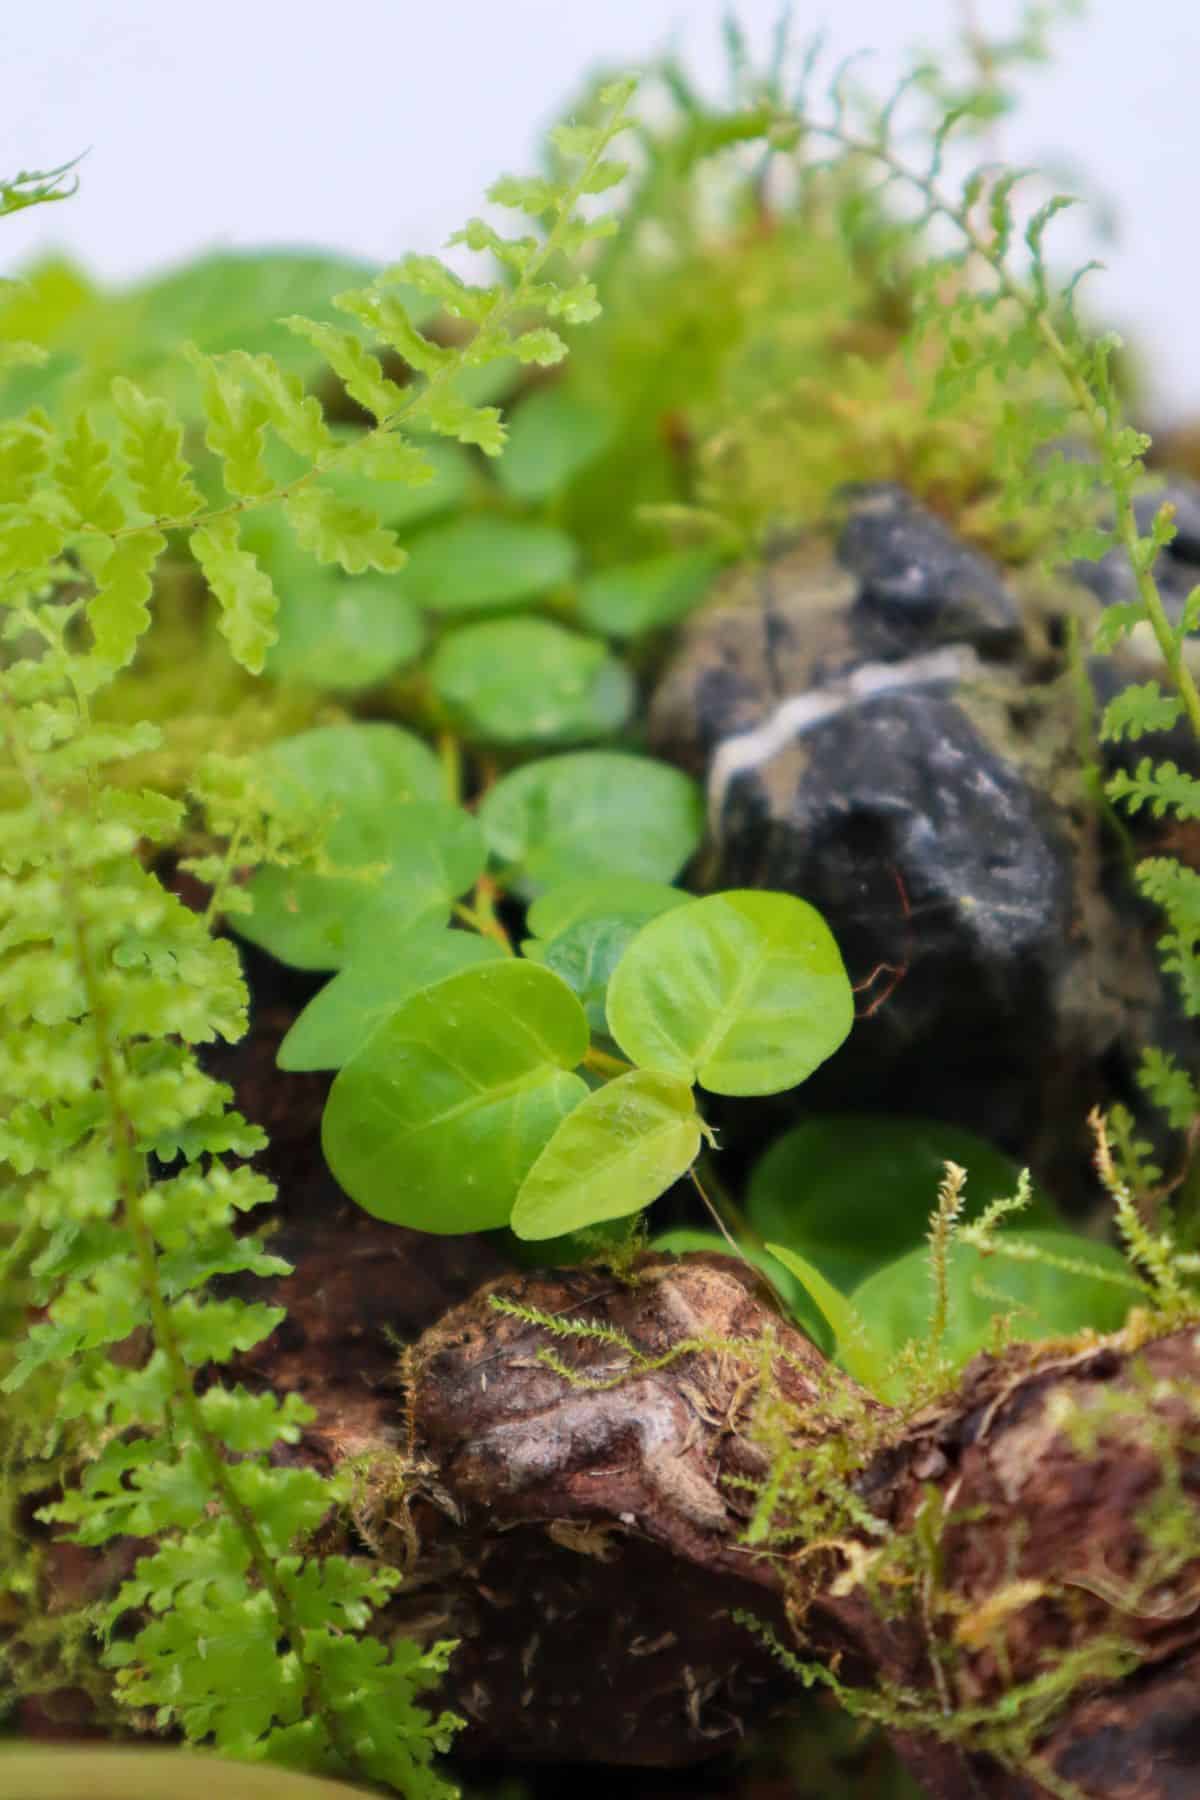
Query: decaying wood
579	1525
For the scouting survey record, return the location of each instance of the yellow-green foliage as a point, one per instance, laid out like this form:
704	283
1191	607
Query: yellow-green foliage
125	1170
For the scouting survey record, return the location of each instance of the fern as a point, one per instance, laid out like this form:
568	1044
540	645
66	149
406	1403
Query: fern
991	322
126	1179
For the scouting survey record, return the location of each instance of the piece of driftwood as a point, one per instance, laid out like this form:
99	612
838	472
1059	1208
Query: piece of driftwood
579	1525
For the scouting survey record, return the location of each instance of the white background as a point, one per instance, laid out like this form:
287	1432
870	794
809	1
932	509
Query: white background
373	126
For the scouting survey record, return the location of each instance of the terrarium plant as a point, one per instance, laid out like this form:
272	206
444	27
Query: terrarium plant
327	644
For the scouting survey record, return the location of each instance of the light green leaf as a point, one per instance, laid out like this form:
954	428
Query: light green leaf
423	858
84	476
337	1022
339	531
481	562
592	813
613	1154
438	1119
600	896
585	955
235	428
552	437
647	596
744	992
401	482
514	681
853	1191
242	589
152	445
344	633
359	371
119	610
295	416
354	766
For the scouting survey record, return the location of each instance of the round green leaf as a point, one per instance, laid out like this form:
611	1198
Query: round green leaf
439	1118
425	856
479	562
344	634
613	1154
356	766
852	1192
591	813
337	1022
515	681
600	896
1044	1300
645	596
585	955
743	992
552	436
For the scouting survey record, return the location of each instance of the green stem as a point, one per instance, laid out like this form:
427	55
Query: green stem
601	1063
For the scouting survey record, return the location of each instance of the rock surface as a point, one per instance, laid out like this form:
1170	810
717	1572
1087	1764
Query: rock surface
883	736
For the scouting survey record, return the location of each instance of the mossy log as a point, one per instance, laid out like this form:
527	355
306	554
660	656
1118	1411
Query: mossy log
1014	1592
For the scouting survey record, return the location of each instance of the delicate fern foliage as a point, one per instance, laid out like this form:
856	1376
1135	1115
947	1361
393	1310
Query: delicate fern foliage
993	315
124	1192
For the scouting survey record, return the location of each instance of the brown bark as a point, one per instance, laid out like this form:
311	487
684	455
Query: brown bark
582	1534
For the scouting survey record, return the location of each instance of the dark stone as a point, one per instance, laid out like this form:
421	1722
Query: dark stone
931	805
919	585
903	788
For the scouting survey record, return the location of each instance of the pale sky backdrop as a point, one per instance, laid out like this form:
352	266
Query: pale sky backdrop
373	126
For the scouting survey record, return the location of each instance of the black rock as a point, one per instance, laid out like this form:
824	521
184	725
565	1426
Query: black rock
930	804
918	583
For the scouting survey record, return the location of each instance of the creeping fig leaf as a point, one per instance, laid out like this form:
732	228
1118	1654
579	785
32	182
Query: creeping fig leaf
600	896
744	992
422	858
552	436
645	596
515	681
481	562
592	813
613	1154
337	1022
343	633
439	1118
585	955
355	765
851	1192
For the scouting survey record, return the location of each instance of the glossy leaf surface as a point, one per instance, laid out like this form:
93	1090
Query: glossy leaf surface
337	1022
592	813
552	436
439	1118
344	634
480	562
528	681
423	857
600	896
744	992
646	596
613	1154
354	765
